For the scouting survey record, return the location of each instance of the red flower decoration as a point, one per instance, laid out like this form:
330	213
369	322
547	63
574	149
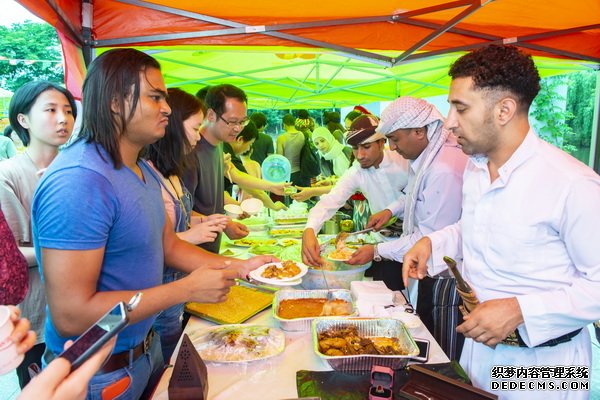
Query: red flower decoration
358	196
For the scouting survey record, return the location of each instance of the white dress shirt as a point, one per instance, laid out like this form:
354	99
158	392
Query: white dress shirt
530	234
438	202
381	186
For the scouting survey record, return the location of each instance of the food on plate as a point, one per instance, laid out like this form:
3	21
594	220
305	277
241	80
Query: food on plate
246	242
341	254
313	307
346	341
359	240
241	303
227	253
286	231
239	343
288	242
288	269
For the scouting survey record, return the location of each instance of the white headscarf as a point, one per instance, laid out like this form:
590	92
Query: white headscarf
336	150
409	112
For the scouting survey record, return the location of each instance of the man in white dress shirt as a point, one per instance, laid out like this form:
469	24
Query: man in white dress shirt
380	174
530	212
415	130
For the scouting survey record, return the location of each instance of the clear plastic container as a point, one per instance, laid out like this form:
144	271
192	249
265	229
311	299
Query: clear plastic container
338	279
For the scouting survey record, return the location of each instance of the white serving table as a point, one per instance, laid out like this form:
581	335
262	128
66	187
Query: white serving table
273	378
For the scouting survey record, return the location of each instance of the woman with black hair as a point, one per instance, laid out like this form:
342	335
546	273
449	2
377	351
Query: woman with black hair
43	115
170	157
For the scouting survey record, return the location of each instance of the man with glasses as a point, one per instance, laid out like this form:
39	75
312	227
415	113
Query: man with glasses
225	119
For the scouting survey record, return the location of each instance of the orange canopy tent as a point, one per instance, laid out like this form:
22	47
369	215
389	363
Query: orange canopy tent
384	32
389	37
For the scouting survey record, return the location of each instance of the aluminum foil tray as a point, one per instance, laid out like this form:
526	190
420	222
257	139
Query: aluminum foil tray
386	327
303	324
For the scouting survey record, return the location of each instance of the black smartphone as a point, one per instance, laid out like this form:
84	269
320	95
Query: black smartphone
423	345
113	322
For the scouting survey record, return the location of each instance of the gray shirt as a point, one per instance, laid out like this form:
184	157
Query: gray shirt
292	146
206	183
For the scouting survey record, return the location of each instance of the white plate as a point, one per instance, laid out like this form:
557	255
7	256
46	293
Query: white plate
295	280
338	259
286	283
214	344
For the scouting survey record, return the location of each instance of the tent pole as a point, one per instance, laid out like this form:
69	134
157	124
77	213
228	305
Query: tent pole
595	140
87	16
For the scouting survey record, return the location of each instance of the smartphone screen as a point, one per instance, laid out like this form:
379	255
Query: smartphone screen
423	350
96	336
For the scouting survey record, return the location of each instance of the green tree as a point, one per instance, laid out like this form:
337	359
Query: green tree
29	41
580	103
549	110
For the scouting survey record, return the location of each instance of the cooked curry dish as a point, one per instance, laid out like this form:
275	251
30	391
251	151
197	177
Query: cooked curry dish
317	307
347	342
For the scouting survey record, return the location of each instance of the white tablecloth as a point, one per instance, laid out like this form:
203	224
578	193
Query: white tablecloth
274	378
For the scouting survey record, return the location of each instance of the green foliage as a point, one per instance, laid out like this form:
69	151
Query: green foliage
548	110
29	41
580	103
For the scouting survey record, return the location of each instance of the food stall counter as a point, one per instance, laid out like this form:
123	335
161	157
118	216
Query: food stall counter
272	378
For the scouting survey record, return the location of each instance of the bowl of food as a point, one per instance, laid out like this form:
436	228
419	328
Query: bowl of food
316	278
335	273
233	210
252	206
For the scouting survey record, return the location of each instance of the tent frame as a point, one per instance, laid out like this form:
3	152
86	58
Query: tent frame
83	38
275	30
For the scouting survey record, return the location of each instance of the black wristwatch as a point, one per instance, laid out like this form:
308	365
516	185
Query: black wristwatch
376	256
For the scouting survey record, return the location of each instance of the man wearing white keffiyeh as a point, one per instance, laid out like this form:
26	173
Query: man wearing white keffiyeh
433	200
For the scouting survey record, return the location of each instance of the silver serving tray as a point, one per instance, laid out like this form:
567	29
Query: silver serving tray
303	324
383	327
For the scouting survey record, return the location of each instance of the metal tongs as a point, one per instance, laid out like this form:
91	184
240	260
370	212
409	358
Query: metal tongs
341	237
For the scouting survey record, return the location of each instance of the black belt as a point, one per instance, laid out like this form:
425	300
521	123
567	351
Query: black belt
124	358
550	343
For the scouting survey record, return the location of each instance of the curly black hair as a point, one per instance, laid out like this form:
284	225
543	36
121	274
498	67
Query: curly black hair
500	67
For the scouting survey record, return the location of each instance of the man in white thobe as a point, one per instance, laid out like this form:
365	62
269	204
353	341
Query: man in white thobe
414	129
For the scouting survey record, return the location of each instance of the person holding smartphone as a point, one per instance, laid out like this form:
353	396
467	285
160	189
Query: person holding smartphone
56	381
100	230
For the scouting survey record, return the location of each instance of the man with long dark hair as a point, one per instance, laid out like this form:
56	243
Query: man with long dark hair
100	230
